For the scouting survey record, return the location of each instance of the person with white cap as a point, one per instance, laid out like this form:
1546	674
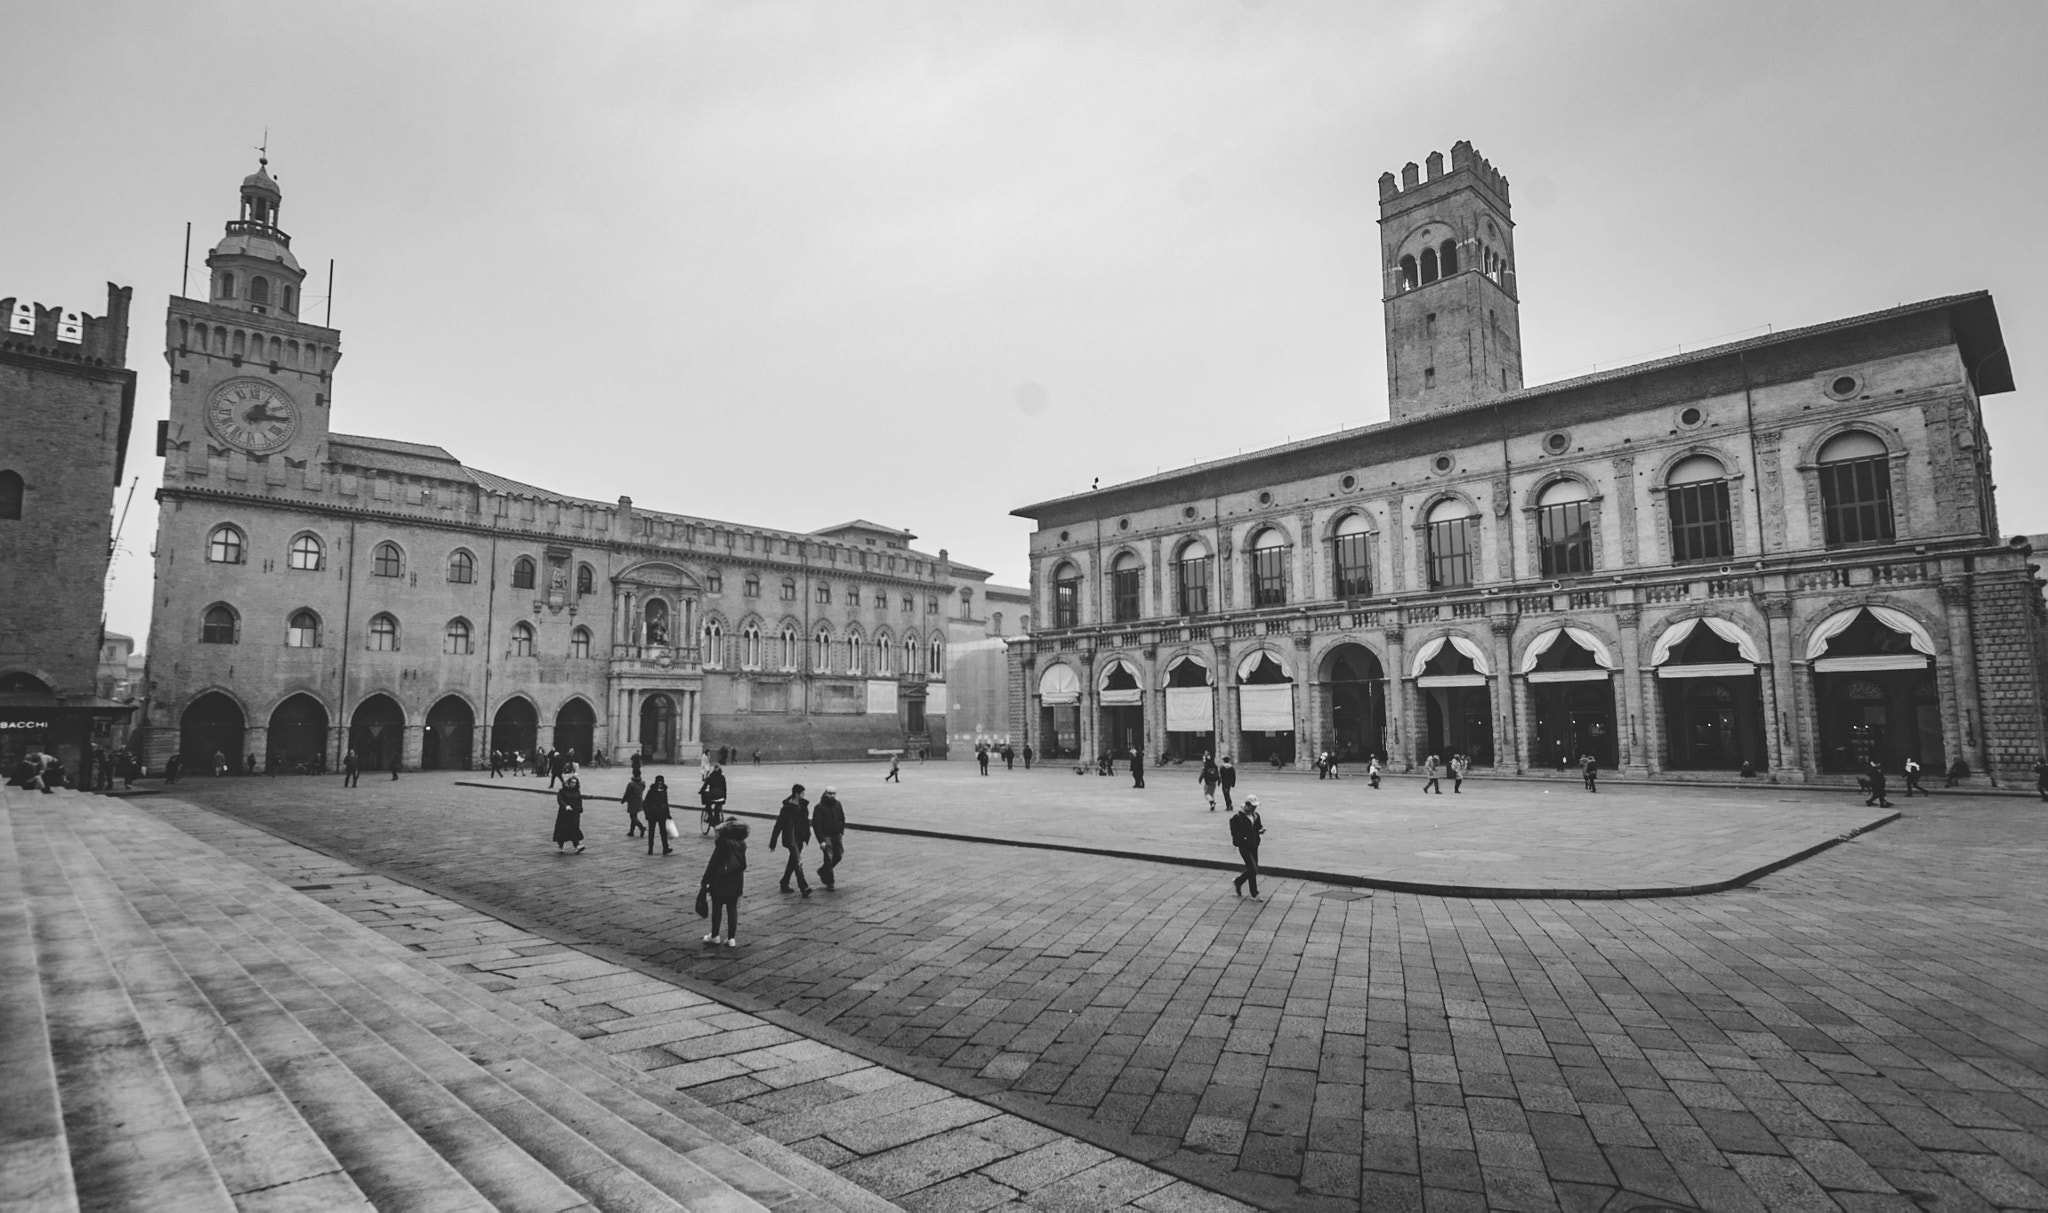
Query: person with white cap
1245	829
828	824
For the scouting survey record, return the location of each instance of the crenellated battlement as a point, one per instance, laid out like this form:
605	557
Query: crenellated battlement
1464	159
68	333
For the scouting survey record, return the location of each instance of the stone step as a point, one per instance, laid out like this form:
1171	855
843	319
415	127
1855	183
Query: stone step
35	1158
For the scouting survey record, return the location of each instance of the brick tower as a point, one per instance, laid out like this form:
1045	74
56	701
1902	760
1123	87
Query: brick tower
1447	251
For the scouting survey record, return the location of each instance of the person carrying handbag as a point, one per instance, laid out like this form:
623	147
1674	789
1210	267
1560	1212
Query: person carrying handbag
655	809
569	815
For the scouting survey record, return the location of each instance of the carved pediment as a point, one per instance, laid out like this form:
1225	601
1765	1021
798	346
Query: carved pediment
658	574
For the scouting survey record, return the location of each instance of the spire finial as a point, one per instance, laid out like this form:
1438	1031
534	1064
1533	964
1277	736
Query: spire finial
263	150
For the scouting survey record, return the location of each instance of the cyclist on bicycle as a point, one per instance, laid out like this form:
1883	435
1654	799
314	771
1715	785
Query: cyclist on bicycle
712	793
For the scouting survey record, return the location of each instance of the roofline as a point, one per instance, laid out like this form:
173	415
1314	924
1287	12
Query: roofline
1973	316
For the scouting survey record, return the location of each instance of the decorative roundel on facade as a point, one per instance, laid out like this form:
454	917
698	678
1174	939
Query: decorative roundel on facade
1845	387
1123	524
1558	443
1188	512
1442	464
1265	498
1349	482
1690	417
1065	535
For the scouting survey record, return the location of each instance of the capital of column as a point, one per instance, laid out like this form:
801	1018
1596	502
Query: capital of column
1395	634
1776	606
1502	625
1628	614
1953	593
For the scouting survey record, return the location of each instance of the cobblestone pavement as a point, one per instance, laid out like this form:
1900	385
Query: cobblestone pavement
1866	1029
1497	834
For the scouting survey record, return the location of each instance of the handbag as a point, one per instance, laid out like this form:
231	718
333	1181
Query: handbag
703	903
670	826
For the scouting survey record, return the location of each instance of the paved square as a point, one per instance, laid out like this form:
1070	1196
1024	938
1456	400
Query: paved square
1865	1029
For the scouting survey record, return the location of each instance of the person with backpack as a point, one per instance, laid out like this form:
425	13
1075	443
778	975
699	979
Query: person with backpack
1245	831
1209	778
725	880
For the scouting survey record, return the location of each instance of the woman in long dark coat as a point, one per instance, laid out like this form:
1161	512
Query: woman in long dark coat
569	815
656	810
725	879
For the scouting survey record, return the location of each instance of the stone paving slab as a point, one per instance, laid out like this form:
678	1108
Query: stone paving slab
1884	1004
897	1137
1497	837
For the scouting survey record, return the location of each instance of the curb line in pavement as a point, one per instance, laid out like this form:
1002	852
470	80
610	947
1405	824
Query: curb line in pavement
1426	888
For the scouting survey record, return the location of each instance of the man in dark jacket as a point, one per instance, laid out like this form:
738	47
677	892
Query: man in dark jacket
1878	798
1245	829
712	790
1227	779
1137	767
828	822
793	826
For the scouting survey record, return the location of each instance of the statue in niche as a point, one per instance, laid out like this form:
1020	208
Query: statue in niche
657	621
559	579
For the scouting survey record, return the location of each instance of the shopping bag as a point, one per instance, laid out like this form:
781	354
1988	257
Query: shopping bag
703	903
670	826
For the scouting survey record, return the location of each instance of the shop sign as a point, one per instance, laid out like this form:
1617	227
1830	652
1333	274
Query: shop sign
23	726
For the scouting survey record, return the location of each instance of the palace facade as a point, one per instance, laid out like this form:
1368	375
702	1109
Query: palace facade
319	591
1779	555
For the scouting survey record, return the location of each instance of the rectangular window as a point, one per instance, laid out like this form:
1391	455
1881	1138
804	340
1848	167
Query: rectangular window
1194	586
1124	590
1451	547
1856	501
1354	567
1066	603
1269	577
1700	526
1564	539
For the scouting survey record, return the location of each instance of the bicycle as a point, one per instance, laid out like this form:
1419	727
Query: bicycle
711	815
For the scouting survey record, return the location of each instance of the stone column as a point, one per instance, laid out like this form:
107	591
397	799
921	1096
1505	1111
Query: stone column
1152	696
1785	724
1525	722
1308	720
1634	722
1089	708
255	740
415	746
1399	726
1226	700
1509	746
1964	717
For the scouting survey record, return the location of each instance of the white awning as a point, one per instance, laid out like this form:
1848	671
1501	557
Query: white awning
1112	666
1250	661
1186	659
1428	651
1898	621
1059	685
1266	708
1732	633
1581	636
1191	709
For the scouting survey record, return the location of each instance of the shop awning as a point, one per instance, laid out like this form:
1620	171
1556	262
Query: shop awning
1427	652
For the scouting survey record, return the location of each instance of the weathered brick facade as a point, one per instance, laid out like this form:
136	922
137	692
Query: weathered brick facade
1779	553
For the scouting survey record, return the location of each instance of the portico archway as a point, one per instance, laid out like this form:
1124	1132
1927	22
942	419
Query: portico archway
213	724
449	740
516	727
658	728
576	730
1355	687
377	733
298	734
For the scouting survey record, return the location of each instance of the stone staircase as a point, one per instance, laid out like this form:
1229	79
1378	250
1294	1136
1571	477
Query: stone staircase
178	1031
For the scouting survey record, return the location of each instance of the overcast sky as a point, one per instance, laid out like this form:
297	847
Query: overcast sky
788	264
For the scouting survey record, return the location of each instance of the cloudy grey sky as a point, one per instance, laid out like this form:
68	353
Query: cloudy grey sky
790	263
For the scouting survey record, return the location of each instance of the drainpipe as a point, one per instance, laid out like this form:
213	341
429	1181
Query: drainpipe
348	600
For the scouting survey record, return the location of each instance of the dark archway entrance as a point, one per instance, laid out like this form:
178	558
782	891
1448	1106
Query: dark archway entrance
516	727
1713	705
1123	712
1458	705
298	735
658	728
575	730
449	742
212	725
1190	710
1355	686
377	733
1571	696
1878	700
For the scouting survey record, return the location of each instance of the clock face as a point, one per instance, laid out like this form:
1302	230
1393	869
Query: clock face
252	414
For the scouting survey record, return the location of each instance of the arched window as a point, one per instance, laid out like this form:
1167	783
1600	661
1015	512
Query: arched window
579	642
714	644
1429	265
291	302
1856	489
910	654
458	640
302	631
882	651
1447	257
853	595
522	573
586	579
224	546
1564	530
461	567
822	595
856	653
219	625
1124	578
1066	597
1410	279
750	648
1453	540
752	586
790	649
1351	557
227	286
1269	569
938	657
259	290
1696	494
995	623
12	493
306	554
522	639
788	590
383	633
388	561
821	651
1191	580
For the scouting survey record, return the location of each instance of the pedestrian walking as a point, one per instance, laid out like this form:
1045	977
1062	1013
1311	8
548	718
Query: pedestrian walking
1459	765
497	761
1877	797
569	816
981	756
1589	770
654	806
1027	755
1245	831
397	756
1373	771
636	795
1226	778
1209	779
1137	767
554	767
757	757
793	828
725	880
1009	757
1913	778
828	823
895	774
174	766
1323	765
1432	773
220	764
351	769
248	764
2040	776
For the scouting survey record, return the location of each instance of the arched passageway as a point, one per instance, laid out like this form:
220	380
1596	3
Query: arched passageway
575	730
1873	676
516	727
377	733
658	728
1712	696
1571	700
1355	688
1457	701
298	735
213	724
449	741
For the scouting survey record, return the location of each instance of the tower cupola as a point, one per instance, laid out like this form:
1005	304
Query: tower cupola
252	268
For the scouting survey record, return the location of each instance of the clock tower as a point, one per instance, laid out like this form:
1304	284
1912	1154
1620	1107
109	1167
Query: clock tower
250	382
